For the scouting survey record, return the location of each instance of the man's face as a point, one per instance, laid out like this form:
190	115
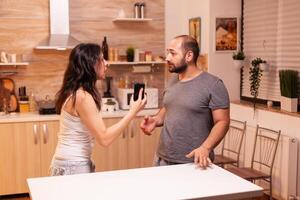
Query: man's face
175	57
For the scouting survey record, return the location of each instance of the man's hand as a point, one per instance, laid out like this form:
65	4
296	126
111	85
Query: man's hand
148	125
201	157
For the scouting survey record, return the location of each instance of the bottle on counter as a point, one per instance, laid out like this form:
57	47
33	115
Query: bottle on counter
116	54
32	103
105	48
142	10
136	55
136	10
121	83
111	53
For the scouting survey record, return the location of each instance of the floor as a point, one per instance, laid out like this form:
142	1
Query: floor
26	197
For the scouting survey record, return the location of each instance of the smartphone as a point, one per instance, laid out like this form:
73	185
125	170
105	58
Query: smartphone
136	89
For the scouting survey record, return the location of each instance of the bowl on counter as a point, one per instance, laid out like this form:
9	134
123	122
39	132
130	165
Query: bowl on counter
46	106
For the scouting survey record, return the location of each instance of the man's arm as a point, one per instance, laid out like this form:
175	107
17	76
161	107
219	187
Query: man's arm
221	124
160	117
149	123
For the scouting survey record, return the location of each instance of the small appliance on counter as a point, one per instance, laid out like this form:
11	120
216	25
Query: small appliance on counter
124	96
46	106
108	102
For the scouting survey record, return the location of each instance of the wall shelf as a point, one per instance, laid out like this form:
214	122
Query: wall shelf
7	73
132	19
137	63
14	64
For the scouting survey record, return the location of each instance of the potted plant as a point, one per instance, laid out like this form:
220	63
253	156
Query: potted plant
238	58
263	65
130	54
255	78
289	90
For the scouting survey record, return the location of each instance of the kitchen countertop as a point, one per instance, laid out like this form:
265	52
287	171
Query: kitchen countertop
34	116
183	181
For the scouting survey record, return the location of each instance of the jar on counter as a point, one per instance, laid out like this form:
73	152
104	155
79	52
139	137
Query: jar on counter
148	56
116	54
32	103
121	83
111	56
24	106
142	56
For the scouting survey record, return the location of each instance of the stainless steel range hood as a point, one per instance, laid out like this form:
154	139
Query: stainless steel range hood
59	38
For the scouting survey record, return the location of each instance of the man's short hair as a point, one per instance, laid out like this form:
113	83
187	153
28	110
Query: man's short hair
190	44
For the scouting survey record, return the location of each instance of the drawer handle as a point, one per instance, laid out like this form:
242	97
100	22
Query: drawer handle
124	134
46	133
131	129
35	133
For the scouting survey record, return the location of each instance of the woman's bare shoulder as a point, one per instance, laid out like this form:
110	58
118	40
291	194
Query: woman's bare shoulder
83	96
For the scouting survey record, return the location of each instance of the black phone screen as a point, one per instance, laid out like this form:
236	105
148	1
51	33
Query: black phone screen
136	90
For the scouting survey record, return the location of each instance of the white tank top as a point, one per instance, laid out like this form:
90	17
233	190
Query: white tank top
74	140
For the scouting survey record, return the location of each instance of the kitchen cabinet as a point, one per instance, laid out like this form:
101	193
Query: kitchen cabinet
132	149
26	151
112	157
149	146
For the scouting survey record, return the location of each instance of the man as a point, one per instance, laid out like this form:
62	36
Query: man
195	112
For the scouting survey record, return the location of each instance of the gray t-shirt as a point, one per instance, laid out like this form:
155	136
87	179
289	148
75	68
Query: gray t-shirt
188	120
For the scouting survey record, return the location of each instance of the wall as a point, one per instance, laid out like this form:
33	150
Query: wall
179	12
221	64
174	16
23	26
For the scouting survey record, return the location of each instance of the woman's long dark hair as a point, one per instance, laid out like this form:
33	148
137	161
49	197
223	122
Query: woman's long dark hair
80	73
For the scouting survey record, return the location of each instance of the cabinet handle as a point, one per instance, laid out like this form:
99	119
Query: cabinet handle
131	130
46	133
35	133
124	134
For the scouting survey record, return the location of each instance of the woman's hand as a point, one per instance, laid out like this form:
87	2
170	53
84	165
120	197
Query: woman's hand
139	104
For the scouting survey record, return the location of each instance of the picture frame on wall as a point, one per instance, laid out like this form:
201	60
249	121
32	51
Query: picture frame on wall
226	34
195	29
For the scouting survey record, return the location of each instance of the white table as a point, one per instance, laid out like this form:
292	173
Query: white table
183	181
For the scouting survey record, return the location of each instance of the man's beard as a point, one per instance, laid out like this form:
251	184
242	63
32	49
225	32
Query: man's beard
180	68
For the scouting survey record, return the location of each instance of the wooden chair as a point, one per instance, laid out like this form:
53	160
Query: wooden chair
232	143
265	147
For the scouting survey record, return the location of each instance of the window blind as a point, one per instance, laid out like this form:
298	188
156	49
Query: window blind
271	32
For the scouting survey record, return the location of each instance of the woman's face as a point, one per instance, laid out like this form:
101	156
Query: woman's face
101	68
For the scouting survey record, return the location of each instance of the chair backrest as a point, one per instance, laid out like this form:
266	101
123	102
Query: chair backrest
265	147
233	140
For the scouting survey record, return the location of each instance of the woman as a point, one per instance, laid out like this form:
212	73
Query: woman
78	102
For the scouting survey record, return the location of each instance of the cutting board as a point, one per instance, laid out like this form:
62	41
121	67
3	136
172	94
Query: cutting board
7	94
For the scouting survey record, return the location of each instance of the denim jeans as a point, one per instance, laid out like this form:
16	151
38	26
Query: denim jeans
60	168
161	162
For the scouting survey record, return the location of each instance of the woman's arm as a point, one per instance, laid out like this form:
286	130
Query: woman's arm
90	116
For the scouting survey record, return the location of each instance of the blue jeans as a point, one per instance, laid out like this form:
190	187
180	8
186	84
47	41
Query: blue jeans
161	162
61	168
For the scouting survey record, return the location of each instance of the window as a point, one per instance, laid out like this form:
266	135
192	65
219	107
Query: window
272	32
